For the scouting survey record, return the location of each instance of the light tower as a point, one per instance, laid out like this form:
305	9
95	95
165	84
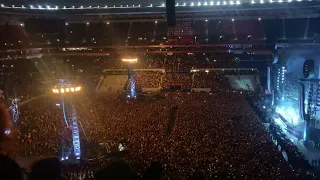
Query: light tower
66	90
130	62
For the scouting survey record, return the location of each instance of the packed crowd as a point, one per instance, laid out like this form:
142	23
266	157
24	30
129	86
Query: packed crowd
183	78
212	134
229	140
147	79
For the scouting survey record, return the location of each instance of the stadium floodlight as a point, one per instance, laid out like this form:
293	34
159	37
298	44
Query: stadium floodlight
299	0
150	5
67	89
57	7
81	7
199	3
231	3
78	88
62	90
67	24
40	7
48	7
218	3
224	3
163	5
2	5
262	1
259	19
205	3
105	6
211	3
88	23
238	2
232	20
271	1
192	4
184	4
253	2
177	4
280	1
130	60
23	6
64	7
31	7
72	7
72	89
21	24
13	6
289	0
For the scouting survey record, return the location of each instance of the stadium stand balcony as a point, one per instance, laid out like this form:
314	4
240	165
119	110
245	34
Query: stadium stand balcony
220	31
253	29
57	34
161	30
314	28
141	33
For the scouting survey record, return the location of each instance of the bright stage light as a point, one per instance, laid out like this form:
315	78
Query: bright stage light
72	89
55	90
62	90
78	88
289	113
67	89
199	3
133	60
7	132
211	3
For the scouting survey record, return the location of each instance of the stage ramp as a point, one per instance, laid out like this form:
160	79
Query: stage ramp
112	84
244	82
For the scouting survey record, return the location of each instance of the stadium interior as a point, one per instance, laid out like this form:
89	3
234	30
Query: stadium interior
160	90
